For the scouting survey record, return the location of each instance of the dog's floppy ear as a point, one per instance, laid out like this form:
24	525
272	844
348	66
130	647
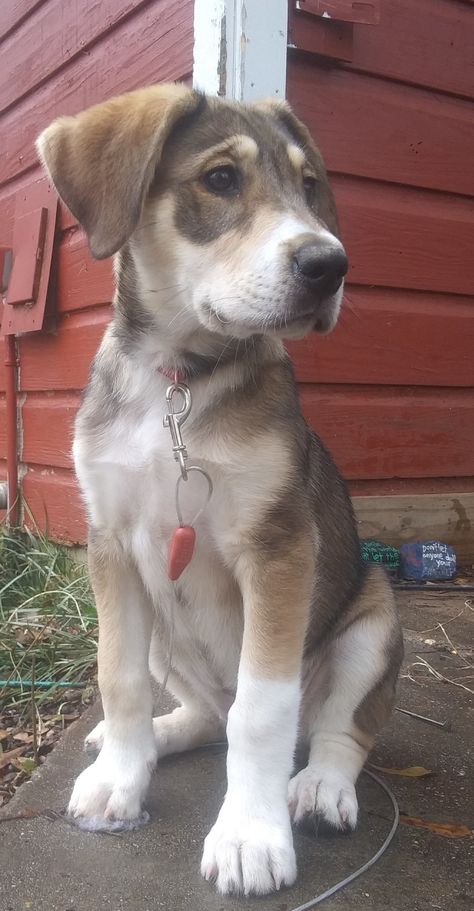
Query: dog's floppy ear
282	112
102	161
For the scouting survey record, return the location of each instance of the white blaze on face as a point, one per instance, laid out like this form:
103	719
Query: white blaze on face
274	250
285	235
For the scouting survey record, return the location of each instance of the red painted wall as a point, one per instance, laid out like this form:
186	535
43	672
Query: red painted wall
58	58
391	390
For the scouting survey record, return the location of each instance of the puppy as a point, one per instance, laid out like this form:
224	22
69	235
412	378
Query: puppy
225	238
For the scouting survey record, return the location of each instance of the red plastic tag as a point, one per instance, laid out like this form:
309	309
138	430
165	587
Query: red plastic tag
181	550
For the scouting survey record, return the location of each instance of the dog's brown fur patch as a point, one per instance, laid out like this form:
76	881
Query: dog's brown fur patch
103	160
296	156
276	587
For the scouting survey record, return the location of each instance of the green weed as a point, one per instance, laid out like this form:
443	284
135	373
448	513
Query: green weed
48	622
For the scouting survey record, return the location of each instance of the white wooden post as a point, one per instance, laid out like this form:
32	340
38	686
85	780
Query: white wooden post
240	48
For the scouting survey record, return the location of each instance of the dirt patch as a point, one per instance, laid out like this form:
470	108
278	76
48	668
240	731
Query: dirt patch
28	733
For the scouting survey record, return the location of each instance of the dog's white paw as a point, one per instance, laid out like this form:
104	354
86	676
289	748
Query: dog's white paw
94	741
248	854
322	791
109	793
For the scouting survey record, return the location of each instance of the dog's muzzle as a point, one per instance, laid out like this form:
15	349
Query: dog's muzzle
320	268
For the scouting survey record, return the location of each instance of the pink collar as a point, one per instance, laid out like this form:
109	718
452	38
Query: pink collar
176	376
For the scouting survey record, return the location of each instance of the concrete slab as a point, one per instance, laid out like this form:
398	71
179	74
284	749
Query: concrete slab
48	865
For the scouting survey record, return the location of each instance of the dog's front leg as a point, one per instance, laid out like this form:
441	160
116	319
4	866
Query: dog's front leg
112	789
250	847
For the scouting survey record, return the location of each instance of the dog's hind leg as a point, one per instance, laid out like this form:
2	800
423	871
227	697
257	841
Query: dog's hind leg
196	721
94	741
185	728
346	700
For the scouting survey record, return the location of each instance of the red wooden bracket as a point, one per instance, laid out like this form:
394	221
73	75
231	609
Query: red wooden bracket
363	12
5	267
316	35
34	229
28	244
333	41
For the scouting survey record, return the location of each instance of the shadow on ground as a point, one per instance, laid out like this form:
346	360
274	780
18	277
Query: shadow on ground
48	865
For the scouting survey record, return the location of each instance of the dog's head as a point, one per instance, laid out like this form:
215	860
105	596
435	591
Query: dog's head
228	203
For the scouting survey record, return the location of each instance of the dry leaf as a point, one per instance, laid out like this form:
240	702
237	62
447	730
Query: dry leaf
4	733
414	771
7	758
447	829
23	737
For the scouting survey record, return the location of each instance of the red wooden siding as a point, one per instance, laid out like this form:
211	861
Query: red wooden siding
59	58
69	31
406	238
393	432
13	13
418	42
53	499
395	337
152	46
61	361
391	390
383	130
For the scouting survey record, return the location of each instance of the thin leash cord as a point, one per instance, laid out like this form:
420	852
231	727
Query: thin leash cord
164	681
370	863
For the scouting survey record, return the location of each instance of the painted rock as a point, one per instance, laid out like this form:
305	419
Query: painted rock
376	552
427	561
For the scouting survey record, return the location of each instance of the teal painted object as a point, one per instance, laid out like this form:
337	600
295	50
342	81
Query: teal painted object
377	552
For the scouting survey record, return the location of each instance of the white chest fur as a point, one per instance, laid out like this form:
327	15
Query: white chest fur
128	477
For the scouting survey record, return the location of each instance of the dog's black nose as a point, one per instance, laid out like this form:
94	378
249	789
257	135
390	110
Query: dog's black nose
323	268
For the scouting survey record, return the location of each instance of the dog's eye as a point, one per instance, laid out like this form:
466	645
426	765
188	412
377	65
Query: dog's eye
309	186
223	181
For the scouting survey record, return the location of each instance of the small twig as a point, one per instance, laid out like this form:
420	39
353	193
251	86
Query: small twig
432	629
440	724
455	651
39	722
408	676
421	662
448	640
33	712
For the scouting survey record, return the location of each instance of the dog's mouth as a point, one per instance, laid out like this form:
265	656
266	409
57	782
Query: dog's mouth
291	325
